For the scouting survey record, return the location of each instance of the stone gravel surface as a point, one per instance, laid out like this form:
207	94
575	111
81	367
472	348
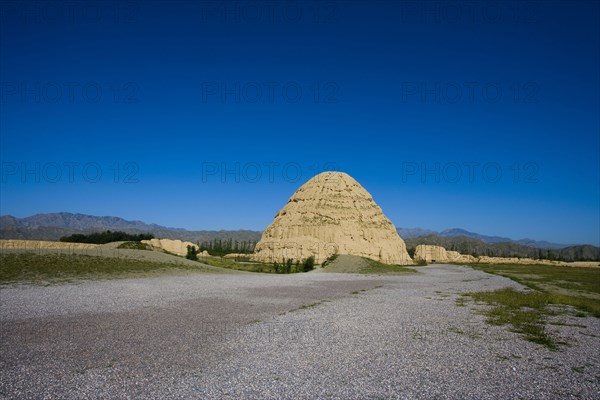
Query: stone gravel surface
315	336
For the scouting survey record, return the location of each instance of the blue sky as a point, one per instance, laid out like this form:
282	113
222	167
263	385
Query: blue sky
209	115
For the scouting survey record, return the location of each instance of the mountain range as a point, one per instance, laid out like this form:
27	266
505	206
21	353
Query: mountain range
407	233
53	226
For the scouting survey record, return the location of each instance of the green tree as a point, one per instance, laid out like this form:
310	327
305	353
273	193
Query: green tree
192	253
309	264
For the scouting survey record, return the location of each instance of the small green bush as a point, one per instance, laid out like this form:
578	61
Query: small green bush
309	264
134	246
192	253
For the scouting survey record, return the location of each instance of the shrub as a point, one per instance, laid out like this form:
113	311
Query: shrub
134	246
192	253
309	264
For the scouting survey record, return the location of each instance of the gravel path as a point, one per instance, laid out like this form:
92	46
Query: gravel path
249	336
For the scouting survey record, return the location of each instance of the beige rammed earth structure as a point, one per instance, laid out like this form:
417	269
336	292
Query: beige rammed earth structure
531	261
172	246
331	214
43	244
438	254
433	254
430	253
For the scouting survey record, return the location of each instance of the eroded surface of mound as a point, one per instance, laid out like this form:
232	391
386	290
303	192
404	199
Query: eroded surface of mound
331	214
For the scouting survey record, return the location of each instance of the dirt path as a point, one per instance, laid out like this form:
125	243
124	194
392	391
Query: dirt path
314	335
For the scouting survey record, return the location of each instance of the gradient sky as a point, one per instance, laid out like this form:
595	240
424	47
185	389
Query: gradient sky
209	115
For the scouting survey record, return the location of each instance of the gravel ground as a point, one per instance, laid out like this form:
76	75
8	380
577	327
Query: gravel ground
249	336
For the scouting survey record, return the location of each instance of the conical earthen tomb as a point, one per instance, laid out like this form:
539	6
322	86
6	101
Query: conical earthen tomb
331	214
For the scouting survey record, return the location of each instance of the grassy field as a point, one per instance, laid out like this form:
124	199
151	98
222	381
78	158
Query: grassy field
346	264
128	259
375	267
362	265
134	246
231	264
555	290
574	281
53	268
248	267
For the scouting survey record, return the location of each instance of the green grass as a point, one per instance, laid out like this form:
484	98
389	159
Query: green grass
134	246
527	311
311	305
554	278
366	290
329	260
308	306
376	267
362	265
34	268
252	267
524	311
231	264
569	286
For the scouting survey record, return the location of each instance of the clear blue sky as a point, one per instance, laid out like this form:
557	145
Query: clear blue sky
423	103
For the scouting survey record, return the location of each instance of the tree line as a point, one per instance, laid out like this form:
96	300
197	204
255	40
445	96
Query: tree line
106	237
220	247
288	266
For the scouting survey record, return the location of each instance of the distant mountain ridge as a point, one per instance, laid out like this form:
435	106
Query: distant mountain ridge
75	221
408	233
476	247
53	226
